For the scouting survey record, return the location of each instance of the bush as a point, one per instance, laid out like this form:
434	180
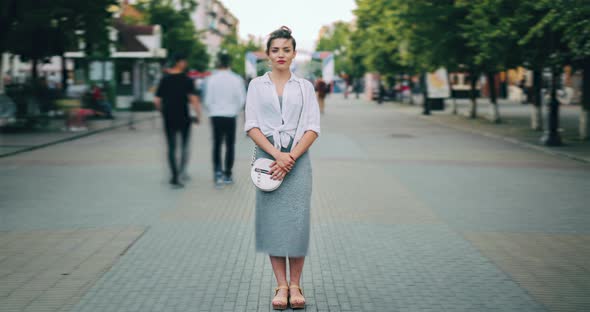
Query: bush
142	106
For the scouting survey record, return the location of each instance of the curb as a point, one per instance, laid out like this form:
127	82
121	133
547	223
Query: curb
78	136
505	138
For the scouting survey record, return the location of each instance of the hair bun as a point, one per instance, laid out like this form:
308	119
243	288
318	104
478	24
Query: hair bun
283	32
287	29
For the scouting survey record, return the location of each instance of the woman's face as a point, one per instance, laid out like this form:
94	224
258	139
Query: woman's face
281	53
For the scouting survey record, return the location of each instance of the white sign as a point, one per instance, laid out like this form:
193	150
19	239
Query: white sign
437	84
96	71
108	70
98	68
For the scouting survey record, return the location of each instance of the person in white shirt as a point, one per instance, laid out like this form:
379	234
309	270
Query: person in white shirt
225	95
283	120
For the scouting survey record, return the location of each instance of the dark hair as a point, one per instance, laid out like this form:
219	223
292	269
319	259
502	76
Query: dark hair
177	57
284	32
223	59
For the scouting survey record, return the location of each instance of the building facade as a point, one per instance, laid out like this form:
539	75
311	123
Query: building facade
213	21
133	68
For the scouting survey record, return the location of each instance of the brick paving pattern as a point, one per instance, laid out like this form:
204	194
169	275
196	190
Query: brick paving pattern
407	215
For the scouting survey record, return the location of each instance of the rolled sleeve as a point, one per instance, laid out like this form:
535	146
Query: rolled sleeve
251	106
313	120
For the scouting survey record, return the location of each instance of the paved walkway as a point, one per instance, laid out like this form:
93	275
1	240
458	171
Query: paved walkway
12	143
515	125
408	215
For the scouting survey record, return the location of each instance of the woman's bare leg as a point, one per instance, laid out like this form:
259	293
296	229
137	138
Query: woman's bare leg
279	267
295	270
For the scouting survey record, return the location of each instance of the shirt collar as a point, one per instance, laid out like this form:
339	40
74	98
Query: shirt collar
266	78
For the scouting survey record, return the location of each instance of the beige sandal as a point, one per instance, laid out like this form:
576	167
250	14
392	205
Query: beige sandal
300	305
282	305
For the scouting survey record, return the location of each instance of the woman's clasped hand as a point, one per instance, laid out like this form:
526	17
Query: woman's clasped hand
282	165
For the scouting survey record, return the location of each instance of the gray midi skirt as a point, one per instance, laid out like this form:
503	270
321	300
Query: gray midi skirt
282	216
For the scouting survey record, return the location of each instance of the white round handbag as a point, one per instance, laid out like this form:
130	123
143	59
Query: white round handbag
261	177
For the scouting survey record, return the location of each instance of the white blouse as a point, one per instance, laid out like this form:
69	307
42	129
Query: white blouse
263	110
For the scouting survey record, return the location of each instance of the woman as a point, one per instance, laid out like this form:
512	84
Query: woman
283	120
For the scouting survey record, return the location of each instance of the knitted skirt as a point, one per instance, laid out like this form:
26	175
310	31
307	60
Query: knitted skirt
282	216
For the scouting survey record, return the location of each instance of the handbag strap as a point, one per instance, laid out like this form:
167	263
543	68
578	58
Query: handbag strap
298	121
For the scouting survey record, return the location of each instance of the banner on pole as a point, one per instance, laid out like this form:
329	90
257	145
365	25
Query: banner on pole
437	84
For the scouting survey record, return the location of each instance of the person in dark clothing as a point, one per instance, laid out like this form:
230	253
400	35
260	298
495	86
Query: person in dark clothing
172	96
357	87
381	93
101	102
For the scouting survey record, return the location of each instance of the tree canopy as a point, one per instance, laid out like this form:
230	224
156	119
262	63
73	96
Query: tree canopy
481	35
54	26
179	33
237	49
336	38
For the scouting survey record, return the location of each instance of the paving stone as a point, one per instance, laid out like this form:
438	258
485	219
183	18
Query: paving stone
400	211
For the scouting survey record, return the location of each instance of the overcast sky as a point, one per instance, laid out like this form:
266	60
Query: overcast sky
304	17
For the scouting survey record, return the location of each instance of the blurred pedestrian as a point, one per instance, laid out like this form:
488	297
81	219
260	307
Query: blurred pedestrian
346	79
77	118
405	91
174	92
53	82
321	90
44	95
224	98
55	90
283	120
357	87
101	102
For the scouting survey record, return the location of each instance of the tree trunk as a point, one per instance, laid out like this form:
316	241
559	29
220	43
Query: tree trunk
454	105
411	84
473	95
494	113
64	74
537	100
552	137
34	72
391	88
585	107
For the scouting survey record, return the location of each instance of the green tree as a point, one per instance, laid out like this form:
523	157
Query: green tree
489	29
378	38
237	50
38	27
179	34
337	39
9	15
552	52
8	18
90	23
433	37
356	56
571	18
52	27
